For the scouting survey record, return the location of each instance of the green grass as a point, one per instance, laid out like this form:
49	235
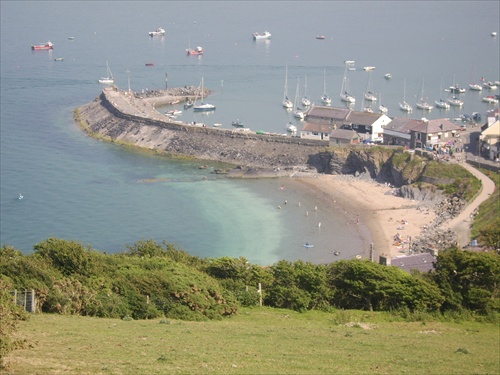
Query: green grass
257	341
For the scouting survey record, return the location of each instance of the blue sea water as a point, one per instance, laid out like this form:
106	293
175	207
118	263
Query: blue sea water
76	187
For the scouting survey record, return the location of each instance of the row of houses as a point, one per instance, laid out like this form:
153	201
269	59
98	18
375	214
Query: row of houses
344	126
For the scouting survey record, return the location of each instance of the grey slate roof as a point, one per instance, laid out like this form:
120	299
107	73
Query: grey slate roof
343	134
422	262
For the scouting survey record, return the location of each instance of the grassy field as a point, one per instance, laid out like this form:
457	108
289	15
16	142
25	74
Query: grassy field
256	341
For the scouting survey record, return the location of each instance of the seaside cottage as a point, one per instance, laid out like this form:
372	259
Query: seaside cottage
369	125
433	133
422	262
343	137
398	131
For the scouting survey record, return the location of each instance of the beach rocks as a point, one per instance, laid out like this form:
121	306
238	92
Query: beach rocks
421	193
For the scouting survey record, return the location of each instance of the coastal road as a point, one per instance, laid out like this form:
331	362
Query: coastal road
461	224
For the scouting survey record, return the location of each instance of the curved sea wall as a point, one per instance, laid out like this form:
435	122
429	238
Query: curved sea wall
103	118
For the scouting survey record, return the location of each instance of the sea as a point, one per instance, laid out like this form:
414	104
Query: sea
108	197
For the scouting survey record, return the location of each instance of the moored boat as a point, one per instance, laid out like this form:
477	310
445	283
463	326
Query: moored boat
442	104
158	32
264	35
236	123
368	68
490	99
197	51
455	102
150	64
388	76
475	87
320	37
490	85
48	45
59	59
291	128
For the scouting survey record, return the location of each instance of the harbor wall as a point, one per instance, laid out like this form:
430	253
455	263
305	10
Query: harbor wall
104	120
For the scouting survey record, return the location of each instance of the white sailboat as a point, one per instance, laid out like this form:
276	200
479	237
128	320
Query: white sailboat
369	95
203	106
305	101
404	105
109	79
443	104
287	103
325	99
382	108
297	112
344	94
422	104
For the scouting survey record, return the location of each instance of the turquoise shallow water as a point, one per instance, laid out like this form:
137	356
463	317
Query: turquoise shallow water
78	188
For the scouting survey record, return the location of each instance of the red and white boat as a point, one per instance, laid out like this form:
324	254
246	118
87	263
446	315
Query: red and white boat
48	45
197	51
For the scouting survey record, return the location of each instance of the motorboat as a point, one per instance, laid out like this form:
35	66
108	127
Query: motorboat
456	89
173	112
475	87
320	37
42	46
158	32
264	35
197	51
236	123
150	64
59	59
291	128
455	102
490	99
383	109
388	76
349	62
442	104
490	85
368	68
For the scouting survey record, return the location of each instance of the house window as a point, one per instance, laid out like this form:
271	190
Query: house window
429	137
419	136
446	135
315	133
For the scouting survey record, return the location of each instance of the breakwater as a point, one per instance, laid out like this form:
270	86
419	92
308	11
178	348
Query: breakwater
119	116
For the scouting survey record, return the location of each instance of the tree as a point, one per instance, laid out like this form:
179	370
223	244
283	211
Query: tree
371	286
469	280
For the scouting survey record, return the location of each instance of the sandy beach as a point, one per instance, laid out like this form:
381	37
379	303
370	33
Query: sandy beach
372	204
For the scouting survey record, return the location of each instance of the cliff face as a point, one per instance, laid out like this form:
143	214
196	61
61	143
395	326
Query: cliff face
100	119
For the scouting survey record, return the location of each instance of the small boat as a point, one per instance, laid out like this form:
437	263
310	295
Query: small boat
37	47
259	36
291	128
325	98
237	123
59	59
197	51
490	85
188	104
404	105
203	107
308	245
287	103
388	76
455	102
422	104
475	87
349	62
494	33
20	196
297	112
150	64
71	37
217	125
109	79
456	89
490	99
368	68
320	37
305	101
442	104
383	109
173	112
344	95
158	32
